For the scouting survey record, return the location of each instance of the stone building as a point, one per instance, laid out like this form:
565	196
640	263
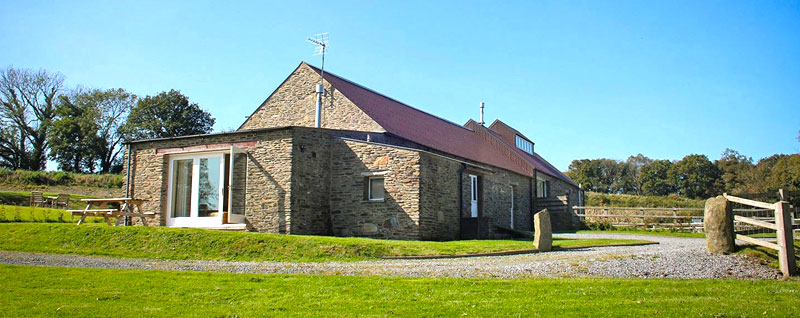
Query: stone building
374	167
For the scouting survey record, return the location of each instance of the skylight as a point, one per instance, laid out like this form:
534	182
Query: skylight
524	145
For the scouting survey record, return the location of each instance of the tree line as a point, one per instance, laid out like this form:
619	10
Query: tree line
694	176
83	129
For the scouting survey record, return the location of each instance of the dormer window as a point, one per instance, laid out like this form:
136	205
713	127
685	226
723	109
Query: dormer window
524	145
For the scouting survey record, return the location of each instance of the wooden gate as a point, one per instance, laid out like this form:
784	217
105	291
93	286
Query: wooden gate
782	226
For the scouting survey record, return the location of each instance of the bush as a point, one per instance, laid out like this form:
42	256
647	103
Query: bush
59	178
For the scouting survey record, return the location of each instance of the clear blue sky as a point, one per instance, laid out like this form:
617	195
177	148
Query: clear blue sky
593	79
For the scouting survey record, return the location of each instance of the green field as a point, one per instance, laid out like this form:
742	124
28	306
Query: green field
173	243
27	291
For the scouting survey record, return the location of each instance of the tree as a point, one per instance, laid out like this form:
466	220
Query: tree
114	106
168	114
73	141
786	173
696	177
86	132
27	109
734	169
634	176
584	172
656	179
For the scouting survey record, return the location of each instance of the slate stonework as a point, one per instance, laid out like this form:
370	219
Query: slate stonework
395	217
294	104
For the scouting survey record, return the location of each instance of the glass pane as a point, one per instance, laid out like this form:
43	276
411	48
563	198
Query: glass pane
238	184
376	188
208	187
181	188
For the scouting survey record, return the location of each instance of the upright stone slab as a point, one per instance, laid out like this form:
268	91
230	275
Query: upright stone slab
718	224
543	235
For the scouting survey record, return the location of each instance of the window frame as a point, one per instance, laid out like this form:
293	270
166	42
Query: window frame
523	144
542	187
369	188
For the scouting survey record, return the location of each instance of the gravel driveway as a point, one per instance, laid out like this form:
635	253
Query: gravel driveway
671	258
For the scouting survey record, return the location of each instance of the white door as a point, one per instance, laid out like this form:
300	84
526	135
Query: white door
473	182
512	207
195	190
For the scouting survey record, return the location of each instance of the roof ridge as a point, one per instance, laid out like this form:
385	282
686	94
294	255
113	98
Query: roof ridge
316	69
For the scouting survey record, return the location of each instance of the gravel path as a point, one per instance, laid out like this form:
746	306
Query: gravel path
671	258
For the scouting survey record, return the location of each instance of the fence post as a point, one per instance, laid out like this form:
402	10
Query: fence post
783	220
718	223
675	218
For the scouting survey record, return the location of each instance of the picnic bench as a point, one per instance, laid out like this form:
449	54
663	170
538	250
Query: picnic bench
127	207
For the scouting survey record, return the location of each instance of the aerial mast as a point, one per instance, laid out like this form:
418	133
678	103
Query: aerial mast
321	42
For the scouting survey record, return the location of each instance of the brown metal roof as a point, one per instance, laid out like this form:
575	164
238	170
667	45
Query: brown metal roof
423	128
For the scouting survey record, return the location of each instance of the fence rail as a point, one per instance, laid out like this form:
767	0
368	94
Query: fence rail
685	219
782	227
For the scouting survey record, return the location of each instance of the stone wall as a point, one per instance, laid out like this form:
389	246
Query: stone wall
294	104
395	217
268	169
439	214
497	199
561	197
311	166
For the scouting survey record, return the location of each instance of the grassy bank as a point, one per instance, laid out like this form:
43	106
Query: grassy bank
53	178
171	243
13	213
23	198
643	201
29	291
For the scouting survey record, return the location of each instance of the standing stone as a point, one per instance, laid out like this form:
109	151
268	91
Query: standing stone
718	224
543	235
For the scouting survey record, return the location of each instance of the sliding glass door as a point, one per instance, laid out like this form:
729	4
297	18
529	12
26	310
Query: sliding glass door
196	191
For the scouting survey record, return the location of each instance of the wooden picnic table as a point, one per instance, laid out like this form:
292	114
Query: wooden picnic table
50	200
127	207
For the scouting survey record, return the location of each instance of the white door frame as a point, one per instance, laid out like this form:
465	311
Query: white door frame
473	191
234	218
193	220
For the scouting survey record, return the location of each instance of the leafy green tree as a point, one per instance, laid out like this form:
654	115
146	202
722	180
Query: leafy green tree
785	174
114	106
585	173
697	177
27	109
634	179
74	144
87	133
734	168
656	179
168	114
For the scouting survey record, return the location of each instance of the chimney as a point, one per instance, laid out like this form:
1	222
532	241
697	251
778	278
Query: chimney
481	122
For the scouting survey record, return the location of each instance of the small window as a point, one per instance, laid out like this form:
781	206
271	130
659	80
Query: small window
541	188
524	145
375	190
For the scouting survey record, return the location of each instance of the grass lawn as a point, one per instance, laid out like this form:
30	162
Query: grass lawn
173	243
14	213
27	291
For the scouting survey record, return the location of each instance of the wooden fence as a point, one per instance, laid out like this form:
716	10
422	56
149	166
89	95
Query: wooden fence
649	218
681	219
782	226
